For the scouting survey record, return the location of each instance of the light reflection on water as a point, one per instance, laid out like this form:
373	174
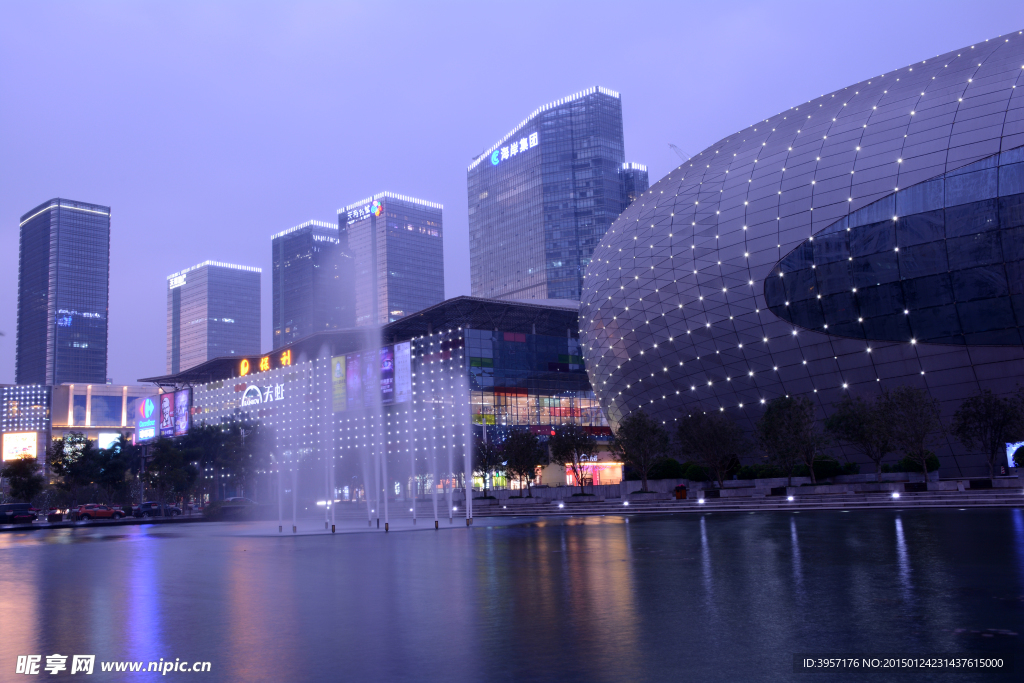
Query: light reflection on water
712	597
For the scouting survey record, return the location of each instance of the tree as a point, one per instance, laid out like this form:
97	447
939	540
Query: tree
987	423
206	441
786	433
865	426
523	454
641	441
573	446
75	460
914	416
713	441
170	469
114	464
244	450
23	478
487	458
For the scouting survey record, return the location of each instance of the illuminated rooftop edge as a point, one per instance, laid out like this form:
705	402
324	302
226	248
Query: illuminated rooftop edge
219	264
539	110
318	224
391	195
66	204
633	166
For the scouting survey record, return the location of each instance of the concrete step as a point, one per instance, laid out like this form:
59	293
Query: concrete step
946	499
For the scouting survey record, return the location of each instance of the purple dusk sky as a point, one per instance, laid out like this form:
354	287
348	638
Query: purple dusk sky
209	126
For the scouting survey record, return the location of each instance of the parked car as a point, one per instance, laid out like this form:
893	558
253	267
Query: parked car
17	513
237	500
151	509
96	511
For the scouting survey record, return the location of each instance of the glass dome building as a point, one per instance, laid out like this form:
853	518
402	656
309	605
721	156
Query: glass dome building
870	238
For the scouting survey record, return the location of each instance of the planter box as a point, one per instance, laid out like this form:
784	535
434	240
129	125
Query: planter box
712	493
583	499
56	517
525	501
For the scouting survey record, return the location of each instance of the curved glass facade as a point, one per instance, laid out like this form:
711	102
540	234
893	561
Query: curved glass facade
683	308
947	267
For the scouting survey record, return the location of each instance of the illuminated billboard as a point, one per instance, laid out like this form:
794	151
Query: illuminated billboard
146	416
353	381
387	375
107	439
1012	457
182	411
403	372
167	414
338	383
18	445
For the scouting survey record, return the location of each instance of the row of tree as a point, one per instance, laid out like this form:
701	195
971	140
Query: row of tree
125	473
905	420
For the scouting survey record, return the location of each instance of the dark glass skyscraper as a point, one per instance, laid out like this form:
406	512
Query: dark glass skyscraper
396	244
311	280
543	196
213	310
63	293
634	182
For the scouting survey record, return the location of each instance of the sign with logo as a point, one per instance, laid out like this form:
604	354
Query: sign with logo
182	411
255	395
167	414
146	416
374	208
18	445
264	363
516	147
176	281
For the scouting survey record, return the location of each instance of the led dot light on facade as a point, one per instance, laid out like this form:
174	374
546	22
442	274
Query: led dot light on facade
857	286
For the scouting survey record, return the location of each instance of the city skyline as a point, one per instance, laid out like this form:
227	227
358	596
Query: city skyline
238	179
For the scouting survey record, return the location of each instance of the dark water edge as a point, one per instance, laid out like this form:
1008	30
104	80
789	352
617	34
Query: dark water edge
715	597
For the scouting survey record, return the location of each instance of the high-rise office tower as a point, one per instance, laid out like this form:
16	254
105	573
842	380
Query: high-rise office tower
542	197
213	310
396	243
634	182
311	282
63	293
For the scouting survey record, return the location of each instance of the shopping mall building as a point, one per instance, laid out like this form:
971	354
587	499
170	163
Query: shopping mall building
869	238
484	364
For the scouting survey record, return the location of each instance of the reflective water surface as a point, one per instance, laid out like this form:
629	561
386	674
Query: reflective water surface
728	597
